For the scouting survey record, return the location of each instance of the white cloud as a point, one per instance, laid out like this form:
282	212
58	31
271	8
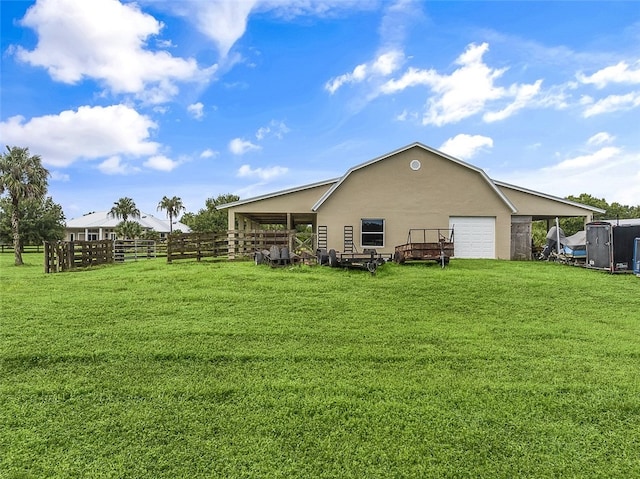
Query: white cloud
591	160
275	128
196	110
208	153
398	18
600	139
105	40
607	172
358	74
115	166
611	104
88	133
224	22
523	96
466	146
406	115
238	146
161	163
620	73
387	63
245	171
384	65
466	91
57	176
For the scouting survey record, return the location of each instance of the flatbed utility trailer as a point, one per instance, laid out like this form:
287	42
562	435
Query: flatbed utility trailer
433	244
369	260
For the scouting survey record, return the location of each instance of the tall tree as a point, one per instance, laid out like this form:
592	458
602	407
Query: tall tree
124	208
173	207
23	177
209	218
41	219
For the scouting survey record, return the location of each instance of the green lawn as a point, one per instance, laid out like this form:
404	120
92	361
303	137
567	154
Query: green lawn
484	369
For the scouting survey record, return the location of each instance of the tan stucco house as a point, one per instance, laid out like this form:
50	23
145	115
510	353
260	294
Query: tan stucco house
377	202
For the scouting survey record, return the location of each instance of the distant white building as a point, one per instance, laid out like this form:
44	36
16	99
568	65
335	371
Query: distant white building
101	225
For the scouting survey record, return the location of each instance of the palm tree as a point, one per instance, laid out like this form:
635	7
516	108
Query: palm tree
124	208
173	207
23	177
129	229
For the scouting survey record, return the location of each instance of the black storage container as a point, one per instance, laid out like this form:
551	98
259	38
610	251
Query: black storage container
610	247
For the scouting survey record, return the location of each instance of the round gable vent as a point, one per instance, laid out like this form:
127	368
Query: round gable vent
415	165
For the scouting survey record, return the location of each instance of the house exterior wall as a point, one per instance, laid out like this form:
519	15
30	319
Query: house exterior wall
407	198
84	234
404	198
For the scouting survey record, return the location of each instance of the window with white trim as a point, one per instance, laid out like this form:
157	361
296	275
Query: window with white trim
372	232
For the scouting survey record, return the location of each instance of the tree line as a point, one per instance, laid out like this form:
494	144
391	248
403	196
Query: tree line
29	216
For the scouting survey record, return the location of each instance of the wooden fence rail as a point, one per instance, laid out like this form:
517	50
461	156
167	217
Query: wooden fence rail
196	246
67	255
232	244
28	248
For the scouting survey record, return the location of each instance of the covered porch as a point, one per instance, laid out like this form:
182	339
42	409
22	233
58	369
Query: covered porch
301	229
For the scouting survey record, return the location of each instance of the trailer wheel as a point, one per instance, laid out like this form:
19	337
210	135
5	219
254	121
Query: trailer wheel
333	259
372	266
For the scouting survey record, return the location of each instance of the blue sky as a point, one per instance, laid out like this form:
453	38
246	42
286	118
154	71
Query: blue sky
196	99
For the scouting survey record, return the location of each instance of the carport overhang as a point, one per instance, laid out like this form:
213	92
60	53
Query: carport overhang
284	219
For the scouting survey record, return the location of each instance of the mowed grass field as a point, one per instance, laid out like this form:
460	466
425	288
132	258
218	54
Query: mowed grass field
484	369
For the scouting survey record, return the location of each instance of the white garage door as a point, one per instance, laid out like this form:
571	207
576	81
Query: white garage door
473	236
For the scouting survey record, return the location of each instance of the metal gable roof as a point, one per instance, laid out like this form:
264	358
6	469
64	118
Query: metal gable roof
102	219
275	194
337	182
549	197
424	147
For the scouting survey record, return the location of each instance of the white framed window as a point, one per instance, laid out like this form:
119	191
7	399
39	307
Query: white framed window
372	232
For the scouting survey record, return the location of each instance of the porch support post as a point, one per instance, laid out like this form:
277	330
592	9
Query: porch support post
290	228
231	237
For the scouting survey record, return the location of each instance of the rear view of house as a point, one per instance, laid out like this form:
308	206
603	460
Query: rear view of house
375	204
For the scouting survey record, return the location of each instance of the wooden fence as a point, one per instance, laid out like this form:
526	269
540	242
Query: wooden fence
196	245
233	244
67	255
28	248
